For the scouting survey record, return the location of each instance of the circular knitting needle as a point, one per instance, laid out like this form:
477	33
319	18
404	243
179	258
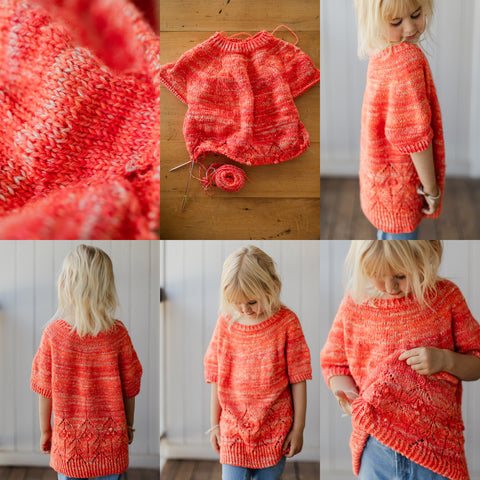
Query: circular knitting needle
186	190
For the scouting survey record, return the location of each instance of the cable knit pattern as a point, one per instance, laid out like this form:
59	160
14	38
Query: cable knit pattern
254	366
418	416
240	97
87	379
79	118
400	116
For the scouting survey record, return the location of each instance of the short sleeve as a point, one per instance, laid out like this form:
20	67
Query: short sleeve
300	71
210	360
299	366
408	124
333	358
41	378
130	369
174	76
466	330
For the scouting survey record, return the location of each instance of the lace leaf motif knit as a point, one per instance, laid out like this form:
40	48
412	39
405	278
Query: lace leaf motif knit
87	379
418	416
400	116
254	366
240	97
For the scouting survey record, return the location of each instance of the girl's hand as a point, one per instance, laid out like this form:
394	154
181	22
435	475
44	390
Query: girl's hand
345	400
293	443
215	440
432	203
46	441
425	360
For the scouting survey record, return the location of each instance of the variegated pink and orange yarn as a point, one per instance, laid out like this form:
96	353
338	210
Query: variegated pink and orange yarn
79	120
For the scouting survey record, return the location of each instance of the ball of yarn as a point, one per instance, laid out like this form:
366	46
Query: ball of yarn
227	177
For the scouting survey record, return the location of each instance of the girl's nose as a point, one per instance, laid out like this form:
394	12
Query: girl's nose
391	285
409	27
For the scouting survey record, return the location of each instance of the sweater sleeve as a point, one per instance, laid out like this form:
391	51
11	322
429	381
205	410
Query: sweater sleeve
41	378
409	115
130	369
174	75
333	358
297	354
210	361
300	71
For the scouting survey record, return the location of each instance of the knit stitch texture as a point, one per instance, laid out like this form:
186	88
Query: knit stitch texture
240	97
400	116
254	366
79	120
418	416
87	379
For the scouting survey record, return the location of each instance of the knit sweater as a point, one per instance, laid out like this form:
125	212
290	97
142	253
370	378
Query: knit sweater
240	97
87	379
79	120
400	116
417	416
254	366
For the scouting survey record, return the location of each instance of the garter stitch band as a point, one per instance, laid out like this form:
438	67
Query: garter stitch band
416	415
79	120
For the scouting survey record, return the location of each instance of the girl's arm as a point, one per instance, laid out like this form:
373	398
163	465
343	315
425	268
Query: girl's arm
345	390
425	167
294	440
430	360
215	411
129	404
45	415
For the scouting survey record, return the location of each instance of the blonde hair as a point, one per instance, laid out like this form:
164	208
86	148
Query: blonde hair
86	290
249	274
418	260
373	16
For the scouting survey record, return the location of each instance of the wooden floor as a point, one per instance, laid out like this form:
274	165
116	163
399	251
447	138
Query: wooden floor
342	218
202	470
280	201
34	473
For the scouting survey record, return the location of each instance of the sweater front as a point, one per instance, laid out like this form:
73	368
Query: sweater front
240	97
416	415
254	366
400	116
87	379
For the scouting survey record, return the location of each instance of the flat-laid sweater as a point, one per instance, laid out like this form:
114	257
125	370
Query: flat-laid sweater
400	116
240	97
416	415
254	366
87	379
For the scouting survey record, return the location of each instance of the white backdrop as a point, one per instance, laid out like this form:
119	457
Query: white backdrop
454	56
28	299
190	275
461	264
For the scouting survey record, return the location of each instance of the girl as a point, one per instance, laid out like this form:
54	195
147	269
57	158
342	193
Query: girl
87	371
257	362
401	343
402	153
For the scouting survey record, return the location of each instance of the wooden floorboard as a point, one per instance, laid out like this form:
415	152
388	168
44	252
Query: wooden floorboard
210	470
38	473
342	218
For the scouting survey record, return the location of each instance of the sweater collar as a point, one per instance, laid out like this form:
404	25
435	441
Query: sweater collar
238	45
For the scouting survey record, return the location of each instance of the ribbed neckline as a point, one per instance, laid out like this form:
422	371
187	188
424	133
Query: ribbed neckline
239	45
259	326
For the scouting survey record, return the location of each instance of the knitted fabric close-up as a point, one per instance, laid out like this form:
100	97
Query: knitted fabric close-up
80	120
240	95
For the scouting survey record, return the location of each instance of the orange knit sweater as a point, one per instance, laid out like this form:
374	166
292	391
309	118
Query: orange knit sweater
400	116
87	379
418	416
254	366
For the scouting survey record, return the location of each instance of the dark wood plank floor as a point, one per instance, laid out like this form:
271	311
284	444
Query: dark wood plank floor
342	218
203	470
37	473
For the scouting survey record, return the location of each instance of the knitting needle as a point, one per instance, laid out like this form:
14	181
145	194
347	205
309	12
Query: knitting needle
179	166
186	191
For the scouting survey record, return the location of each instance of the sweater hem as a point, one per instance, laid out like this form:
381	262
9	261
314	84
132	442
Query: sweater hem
261	457
114	466
308	85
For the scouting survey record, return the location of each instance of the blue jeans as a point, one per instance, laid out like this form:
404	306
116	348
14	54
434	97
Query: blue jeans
381	235
115	476
382	463
231	472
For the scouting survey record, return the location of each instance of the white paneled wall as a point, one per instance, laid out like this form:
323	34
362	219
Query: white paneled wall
28	273
191	277
461	264
454	56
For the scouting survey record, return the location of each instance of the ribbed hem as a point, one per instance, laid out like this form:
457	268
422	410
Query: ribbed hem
238	45
168	84
301	377
114	465
41	391
259	457
409	148
313	80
